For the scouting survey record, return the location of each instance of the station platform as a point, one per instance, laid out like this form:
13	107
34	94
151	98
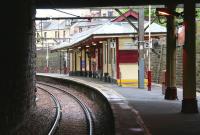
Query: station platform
153	114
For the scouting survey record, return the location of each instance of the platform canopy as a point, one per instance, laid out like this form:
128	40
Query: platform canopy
109	29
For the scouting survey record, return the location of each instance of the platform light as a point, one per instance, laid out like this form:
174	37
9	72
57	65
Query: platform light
93	43
70	49
79	47
63	50
87	46
167	12
131	35
100	42
162	12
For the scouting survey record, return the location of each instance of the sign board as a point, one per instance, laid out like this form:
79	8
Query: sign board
112	44
129	46
83	63
147	45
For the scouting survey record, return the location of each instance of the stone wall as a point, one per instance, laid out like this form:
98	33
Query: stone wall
198	66
158	60
158	63
17	96
179	66
54	61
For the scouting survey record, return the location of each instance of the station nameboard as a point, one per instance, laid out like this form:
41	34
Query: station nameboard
129	46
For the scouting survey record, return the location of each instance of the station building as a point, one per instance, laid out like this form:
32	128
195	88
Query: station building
109	51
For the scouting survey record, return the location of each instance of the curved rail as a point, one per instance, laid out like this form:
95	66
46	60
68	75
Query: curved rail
83	106
58	112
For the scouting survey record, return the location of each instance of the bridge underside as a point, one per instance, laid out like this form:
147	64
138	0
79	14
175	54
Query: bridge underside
100	3
18	55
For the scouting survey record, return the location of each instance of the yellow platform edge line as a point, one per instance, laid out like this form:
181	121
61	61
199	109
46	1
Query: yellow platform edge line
130	82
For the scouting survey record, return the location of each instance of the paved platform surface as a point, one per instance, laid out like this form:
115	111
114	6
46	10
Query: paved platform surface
159	116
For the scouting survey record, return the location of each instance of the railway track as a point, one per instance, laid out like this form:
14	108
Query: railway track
86	111
58	112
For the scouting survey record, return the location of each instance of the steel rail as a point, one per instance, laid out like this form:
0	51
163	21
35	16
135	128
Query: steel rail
58	112
83	106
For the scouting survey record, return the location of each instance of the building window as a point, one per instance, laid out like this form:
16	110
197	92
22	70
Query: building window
67	23
38	35
56	34
63	34
110	13
45	35
80	29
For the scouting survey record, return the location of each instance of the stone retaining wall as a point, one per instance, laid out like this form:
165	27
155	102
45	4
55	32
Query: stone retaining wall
158	63
54	61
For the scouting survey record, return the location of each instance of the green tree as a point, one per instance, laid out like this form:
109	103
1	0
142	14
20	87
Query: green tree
161	20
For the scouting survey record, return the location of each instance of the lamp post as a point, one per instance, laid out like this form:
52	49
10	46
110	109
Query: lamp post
141	48
149	63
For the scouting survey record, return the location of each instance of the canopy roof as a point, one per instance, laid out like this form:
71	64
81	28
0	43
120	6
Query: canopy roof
109	29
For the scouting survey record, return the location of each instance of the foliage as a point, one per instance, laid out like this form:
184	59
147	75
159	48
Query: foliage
198	35
198	13
124	10
162	20
146	14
